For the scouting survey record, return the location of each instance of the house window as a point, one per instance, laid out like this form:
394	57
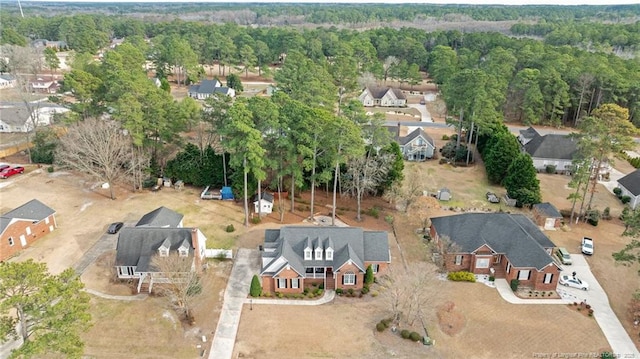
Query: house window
46	220
295	283
458	260
524	274
282	282
496	260
11	243
482	262
28	231
309	270
508	267
548	277
183	252
164	252
329	253
349	278
307	254
318	253
375	268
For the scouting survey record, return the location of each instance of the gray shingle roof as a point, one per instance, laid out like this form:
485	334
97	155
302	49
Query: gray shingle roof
513	235
349	243
160	217
548	209
205	87
631	182
529	133
137	245
413	135
265	195
552	146
379	92
33	210
14	116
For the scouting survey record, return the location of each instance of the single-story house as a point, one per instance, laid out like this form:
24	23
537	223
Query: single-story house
265	204
508	246
44	85
547	215
206	88
22	226
382	96
19	119
58	45
417	145
7	81
158	233
630	186
549	150
337	257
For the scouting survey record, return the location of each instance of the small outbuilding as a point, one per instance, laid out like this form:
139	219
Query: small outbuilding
547	216
444	194
265	204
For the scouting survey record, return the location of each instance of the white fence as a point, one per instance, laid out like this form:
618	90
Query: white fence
218	253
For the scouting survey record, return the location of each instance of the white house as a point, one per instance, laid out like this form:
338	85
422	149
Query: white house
416	146
18	119
382	96
630	186
549	150
265	204
206	88
7	81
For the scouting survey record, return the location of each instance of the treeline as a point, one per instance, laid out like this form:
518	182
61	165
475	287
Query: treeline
351	13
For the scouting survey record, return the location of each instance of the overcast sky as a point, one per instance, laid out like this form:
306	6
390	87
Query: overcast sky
476	2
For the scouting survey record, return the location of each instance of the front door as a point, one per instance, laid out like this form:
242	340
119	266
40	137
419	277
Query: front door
329	281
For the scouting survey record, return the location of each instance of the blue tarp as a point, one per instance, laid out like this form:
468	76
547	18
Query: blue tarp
226	193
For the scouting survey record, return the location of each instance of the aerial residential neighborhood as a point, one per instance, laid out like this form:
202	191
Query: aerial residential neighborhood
309	180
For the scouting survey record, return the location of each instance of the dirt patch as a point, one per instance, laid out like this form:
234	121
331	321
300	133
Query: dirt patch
450	320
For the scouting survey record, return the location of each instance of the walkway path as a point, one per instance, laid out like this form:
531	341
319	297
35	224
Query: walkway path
116	297
106	243
328	296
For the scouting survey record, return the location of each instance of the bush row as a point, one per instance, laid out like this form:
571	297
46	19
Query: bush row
461	276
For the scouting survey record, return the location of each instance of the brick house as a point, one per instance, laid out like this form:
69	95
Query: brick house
508	246
22	226
337	257
157	233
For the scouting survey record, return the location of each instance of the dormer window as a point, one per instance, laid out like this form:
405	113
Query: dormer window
318	253
163	252
183	252
329	254
307	254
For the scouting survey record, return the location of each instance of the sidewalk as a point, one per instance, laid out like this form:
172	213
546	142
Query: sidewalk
507	294
328	296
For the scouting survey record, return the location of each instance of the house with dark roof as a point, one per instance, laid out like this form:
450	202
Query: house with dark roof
508	246
337	257
416	146
7	81
630	186
22	226
382	96
206	88
547	215
157	234
265	204
550	151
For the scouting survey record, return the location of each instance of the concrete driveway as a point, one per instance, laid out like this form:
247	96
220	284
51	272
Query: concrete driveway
425	116
617	337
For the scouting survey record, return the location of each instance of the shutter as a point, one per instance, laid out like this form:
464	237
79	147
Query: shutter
529	276
342	280
355	278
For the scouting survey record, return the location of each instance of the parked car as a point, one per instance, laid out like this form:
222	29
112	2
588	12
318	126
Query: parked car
564	256
587	246
571	281
8	172
115	227
491	197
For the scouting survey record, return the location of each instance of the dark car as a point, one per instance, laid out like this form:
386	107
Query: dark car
8	172
115	227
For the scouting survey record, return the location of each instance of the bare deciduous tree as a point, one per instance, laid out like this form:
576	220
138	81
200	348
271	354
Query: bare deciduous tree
406	194
179	281
443	247
364	175
410	292
98	148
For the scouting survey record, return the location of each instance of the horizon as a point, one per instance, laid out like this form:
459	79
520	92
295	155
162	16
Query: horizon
337	2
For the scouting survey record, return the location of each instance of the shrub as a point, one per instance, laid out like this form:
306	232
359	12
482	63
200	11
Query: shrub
350	291
514	284
445	137
607	355
373	212
321	286
365	290
618	192
368	276
256	288
550	169
279	294
50	169
625	199
415	336
386	322
461	276
306	290
492	278
588	306
230	228
606	214
374	294
388	219
593	217
380	327
256	220
405	334
338	291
